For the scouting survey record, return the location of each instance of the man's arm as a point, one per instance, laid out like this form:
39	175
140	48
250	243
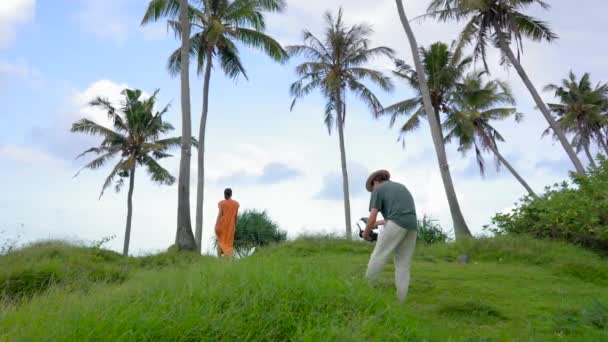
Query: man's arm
371	223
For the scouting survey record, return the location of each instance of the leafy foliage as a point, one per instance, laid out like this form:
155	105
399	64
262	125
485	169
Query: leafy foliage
581	111
489	21
444	68
335	63
135	138
473	107
254	228
218	25
429	231
577	212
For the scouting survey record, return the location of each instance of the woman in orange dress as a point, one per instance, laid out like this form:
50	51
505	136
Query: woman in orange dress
225	224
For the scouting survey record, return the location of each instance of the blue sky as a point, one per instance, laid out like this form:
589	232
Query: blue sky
57	55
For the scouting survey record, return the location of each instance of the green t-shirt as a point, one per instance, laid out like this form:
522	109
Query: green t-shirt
395	203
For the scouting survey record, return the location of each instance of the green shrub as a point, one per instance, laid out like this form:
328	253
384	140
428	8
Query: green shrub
254	228
576	213
430	232
31	270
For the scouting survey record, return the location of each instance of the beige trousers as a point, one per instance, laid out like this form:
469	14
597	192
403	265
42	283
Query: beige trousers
402	242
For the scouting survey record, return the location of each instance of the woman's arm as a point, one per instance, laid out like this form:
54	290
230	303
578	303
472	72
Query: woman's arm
217	220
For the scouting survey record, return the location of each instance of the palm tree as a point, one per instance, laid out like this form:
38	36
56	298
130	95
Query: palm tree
581	112
221	24
443	68
460	227
473	107
503	22
334	65
184	238
135	138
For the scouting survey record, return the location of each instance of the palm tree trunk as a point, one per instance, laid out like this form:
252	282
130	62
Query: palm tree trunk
498	155
436	110
125	249
602	142
200	193
605	146
341	114
184	239
590	157
539	102
460	227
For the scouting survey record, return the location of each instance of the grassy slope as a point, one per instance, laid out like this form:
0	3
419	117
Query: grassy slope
515	289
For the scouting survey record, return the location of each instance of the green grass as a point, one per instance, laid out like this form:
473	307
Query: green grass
312	290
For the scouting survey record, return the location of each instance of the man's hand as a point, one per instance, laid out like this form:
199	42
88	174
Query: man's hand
371	223
367	234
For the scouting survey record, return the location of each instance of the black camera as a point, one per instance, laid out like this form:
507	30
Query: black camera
373	235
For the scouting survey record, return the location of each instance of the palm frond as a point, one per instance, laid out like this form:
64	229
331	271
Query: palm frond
174	63
259	40
375	76
97	162
366	96
230	60
158	9
157	173
532	28
89	127
119	167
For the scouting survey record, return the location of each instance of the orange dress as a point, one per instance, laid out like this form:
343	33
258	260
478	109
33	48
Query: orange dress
227	225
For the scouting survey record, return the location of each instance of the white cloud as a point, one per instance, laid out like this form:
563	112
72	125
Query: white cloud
14	13
118	20
108	20
24	155
102	88
20	69
56	138
106	89
155	31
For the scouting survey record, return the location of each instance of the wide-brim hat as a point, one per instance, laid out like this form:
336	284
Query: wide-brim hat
370	179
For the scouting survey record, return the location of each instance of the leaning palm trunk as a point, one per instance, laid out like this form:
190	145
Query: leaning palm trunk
125	249
504	46
436	111
184	239
200	193
602	142
460	227
590	157
340	115
498	155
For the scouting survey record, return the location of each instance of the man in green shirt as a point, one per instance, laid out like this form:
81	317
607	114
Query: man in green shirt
394	201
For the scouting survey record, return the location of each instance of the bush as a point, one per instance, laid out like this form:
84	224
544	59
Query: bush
254	228
35	267
576	213
430	232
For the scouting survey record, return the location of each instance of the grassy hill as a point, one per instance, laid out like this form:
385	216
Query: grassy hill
311	289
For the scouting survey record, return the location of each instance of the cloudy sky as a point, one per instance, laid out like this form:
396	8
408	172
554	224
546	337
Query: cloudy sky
56	55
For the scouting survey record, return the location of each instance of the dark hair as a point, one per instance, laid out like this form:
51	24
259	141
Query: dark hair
227	193
382	177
